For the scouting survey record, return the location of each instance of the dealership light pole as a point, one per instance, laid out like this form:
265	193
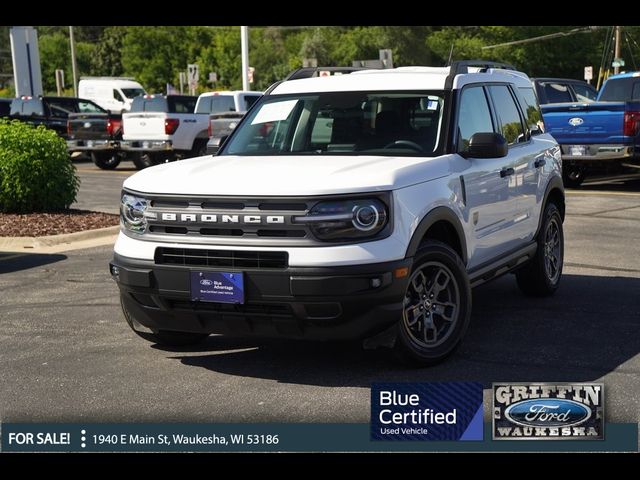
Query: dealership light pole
74	68
244	43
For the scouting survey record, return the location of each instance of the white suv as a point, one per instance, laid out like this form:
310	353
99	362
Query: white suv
361	205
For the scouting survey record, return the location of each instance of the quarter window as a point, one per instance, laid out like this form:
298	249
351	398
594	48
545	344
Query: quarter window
509	122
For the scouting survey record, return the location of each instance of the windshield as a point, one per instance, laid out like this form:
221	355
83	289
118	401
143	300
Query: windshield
345	123
132	92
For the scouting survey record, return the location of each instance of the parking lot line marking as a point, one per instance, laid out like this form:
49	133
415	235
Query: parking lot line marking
603	193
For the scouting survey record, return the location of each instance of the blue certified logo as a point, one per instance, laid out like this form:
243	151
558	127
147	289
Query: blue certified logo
550	412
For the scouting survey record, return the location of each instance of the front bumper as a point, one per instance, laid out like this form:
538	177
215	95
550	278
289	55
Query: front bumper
147	145
325	303
92	145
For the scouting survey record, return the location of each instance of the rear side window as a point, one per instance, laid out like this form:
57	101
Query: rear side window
584	93
182	104
509	122
557	93
250	100
531	111
87	106
474	116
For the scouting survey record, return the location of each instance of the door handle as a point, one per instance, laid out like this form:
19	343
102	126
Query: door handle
505	172
539	163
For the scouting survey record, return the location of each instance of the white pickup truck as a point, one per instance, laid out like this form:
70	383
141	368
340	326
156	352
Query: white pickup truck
164	127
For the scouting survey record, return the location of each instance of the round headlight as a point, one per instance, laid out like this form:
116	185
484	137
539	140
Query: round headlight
365	217
132	210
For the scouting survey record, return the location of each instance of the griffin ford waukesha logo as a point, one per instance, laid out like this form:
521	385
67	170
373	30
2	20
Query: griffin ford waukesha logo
575	121
545	411
216	218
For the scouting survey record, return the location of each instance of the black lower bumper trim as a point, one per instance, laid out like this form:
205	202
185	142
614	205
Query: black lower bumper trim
317	303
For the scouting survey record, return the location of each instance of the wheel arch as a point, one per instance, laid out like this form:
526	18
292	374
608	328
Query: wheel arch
555	193
441	224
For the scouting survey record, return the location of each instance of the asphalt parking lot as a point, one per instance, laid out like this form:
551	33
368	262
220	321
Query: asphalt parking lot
67	354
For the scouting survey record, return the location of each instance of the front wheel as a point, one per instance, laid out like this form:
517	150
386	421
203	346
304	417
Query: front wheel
573	176
437	306
541	277
106	160
162	337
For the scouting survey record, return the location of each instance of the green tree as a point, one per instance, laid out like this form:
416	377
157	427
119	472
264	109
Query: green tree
107	60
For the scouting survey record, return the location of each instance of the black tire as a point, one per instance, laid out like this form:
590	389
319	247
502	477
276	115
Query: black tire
144	160
199	148
434	263
573	176
106	160
163	337
541	277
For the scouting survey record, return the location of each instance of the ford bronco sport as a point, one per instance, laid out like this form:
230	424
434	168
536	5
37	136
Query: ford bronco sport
361	205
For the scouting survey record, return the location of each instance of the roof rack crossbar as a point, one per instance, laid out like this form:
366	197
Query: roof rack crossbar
462	66
308	72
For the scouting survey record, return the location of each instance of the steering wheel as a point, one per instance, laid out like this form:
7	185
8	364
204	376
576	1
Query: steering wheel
405	143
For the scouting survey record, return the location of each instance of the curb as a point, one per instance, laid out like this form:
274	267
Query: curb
62	242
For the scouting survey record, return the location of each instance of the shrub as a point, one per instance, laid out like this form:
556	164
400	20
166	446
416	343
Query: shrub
36	173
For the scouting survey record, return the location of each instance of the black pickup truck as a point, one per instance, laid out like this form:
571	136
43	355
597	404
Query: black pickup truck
85	126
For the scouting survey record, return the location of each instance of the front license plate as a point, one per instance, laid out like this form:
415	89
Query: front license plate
578	150
220	287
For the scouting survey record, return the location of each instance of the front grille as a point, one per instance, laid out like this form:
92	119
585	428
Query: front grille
221	258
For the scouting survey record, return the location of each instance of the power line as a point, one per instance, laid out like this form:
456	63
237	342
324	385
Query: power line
545	37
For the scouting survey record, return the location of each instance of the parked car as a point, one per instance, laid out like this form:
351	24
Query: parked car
599	136
162	128
364	205
231	101
115	94
559	90
97	132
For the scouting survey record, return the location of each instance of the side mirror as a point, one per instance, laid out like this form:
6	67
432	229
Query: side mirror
487	145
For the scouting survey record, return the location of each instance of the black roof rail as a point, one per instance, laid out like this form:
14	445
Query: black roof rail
462	66
308	72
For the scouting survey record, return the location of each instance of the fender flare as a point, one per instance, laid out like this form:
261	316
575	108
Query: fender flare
436	215
554	184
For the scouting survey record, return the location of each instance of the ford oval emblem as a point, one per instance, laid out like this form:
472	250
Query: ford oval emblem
87	125
206	282
547	412
575	121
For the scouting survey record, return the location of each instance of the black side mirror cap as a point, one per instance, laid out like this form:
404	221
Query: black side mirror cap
487	145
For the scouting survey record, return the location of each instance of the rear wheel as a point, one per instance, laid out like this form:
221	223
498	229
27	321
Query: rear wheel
162	337
573	176
541	277
144	160
437	306
199	148
106	160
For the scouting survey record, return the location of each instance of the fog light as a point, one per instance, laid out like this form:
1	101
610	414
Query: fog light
376	282
115	271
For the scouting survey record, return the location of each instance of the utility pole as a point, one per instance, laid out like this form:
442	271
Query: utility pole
244	43
616	54
74	68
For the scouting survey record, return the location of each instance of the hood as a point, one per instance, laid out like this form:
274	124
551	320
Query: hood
285	175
